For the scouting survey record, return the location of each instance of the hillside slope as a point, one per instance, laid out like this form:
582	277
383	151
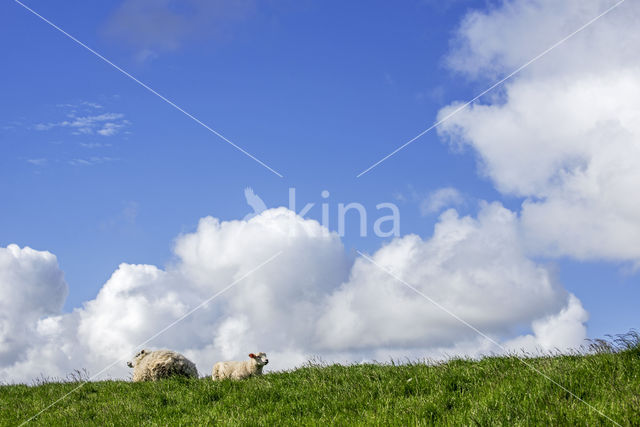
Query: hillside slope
494	390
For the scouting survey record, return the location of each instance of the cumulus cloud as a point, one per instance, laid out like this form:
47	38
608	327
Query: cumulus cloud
565	133
310	300
559	331
31	287
475	268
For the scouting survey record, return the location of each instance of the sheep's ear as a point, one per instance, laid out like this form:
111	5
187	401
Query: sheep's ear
251	355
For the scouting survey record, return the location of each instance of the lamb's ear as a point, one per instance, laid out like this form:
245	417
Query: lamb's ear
251	355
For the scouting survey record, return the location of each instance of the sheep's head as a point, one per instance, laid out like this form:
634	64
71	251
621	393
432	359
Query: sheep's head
138	357
260	358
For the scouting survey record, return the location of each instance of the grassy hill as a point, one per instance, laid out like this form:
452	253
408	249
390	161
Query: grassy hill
492	391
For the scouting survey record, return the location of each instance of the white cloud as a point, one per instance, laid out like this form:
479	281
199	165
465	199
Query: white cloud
31	287
38	162
509	34
308	301
100	123
439	199
105	124
123	219
90	161
559	331
86	105
476	268
110	128
565	133
93	105
94	145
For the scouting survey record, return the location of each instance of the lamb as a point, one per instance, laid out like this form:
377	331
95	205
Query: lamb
154	365
240	370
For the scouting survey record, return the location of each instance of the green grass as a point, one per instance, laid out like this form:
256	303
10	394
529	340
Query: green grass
491	391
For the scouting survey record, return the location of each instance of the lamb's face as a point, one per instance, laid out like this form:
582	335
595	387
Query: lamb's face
260	358
141	355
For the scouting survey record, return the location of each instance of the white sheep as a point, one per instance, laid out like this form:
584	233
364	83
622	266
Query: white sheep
154	365
240	370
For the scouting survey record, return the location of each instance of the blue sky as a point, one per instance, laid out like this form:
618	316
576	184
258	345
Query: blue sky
317	90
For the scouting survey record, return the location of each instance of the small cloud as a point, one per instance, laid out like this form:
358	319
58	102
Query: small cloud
81	105
92	105
399	197
37	162
76	162
439	199
111	128
146	55
152	27
130	212
105	124
14	124
95	160
126	216
82	131
44	126
87	124
94	145
435	94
